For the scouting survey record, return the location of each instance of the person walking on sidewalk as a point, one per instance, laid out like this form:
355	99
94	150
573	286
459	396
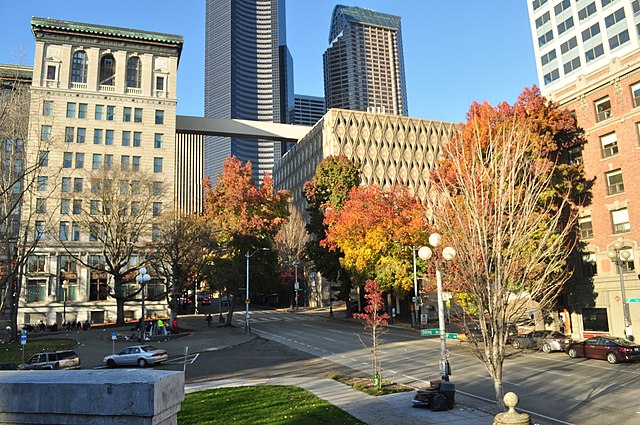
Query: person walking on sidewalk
209	319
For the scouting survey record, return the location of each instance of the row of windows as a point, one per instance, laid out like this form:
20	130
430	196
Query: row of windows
80	110
619	223
603	105
71	231
79	135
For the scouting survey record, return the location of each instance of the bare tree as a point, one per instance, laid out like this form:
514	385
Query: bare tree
291	240
512	239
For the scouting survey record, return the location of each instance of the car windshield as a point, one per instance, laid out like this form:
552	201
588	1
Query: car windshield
148	348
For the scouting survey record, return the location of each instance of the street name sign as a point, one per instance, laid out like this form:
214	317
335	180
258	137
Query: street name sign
429	332
633	300
451	336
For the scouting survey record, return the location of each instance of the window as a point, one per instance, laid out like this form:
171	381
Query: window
551	76
568	45
575	155
126	138
562	6
594	53
545	38
79	67
636	6
548	57
75	231
45	133
41	205
107	70
66	184
67	158
39	231
155	233
591	31
109	138
82	135
69	134
124	187
606	2
134	72
137	115
65	206
137	139
603	109
82	110
614	18
47	108
618	39
157	165
587	11
563	26
44	158
157	140
79	160
157	209
135	208
538	3
99	112
572	65
157	188
43	183
609	144
635	94
97	136
71	110
615	184
64	230
93	232
160	83
159	116
135	165
111	112
77	184
586	227
51	72
77	206
543	19
124	162
126	114
108	161
94	208
620	220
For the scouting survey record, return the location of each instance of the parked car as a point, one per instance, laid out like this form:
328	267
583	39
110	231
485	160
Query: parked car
205	300
611	349
472	331
141	355
546	341
67	359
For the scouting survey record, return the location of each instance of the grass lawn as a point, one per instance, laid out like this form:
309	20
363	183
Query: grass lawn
263	404
11	352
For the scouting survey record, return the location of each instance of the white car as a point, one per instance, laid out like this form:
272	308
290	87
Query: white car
141	355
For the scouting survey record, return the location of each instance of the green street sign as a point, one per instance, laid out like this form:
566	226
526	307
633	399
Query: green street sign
633	300
451	336
429	332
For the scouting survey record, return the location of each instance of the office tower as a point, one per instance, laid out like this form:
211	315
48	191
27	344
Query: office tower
588	60
247	76
102	98
364	64
308	110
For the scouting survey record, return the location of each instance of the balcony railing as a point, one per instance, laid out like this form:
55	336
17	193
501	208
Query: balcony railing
79	86
107	88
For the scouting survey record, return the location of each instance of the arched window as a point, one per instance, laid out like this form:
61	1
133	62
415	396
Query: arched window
107	70
79	67
134	72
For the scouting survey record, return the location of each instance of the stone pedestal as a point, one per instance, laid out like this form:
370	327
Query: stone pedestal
511	417
86	397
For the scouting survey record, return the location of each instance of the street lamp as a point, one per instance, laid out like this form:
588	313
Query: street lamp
65	286
415	319
619	255
142	278
296	285
448	254
247	300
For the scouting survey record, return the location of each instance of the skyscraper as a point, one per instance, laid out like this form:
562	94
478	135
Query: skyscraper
248	75
364	64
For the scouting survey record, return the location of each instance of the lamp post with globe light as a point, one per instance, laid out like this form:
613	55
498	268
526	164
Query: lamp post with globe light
448	253
619	255
142	278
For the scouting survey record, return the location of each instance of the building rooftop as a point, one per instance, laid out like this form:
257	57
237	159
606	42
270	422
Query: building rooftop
16	72
360	15
55	24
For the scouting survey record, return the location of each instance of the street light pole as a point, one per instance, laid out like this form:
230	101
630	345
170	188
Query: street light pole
142	278
296	285
247	326
618	255
65	286
415	319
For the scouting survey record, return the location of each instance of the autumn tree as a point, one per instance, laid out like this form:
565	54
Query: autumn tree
178	254
244	218
330	186
375	230
291	240
507	204
374	321
118	211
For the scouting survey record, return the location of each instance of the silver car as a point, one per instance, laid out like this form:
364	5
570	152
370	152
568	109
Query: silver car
67	359
141	355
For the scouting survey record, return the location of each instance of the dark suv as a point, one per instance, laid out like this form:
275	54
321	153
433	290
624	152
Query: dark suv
67	359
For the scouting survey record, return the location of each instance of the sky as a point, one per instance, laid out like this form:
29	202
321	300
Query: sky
455	52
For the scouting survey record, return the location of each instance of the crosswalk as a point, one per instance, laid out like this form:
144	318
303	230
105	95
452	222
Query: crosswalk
263	316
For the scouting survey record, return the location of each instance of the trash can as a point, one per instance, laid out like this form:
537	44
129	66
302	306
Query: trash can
448	389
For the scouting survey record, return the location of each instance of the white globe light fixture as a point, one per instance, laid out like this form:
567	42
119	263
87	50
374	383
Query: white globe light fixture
142	278
619	255
425	253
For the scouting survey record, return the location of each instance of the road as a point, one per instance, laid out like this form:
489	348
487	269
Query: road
554	388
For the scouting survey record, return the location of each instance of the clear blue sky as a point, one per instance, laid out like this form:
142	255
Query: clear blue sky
455	52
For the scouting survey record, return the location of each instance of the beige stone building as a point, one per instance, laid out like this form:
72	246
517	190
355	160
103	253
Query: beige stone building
102	98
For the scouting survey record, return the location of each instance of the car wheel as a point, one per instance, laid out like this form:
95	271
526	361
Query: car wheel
611	358
546	347
111	363
573	353
142	362
516	344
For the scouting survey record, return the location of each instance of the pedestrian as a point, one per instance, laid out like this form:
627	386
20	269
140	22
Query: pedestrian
209	319
174	325
161	329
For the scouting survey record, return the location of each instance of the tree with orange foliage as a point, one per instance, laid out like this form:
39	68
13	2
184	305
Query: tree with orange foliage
244	218
374	230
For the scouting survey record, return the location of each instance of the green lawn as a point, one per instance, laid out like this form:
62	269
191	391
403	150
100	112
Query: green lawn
263	404
11	352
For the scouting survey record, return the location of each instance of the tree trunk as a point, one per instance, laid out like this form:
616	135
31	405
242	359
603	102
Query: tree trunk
120	311
229	320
